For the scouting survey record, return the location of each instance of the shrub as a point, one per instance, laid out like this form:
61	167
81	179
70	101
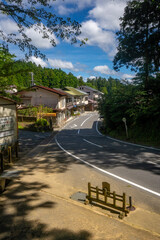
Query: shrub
41	125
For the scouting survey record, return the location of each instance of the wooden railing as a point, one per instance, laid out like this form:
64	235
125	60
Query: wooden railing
110	199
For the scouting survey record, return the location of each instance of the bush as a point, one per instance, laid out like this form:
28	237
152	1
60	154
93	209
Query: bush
41	125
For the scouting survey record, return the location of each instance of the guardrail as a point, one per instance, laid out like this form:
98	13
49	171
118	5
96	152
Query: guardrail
110	199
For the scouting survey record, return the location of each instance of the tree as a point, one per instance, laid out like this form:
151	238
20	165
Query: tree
139	38
36	14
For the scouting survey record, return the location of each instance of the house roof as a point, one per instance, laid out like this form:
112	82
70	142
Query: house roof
8	99
58	89
59	92
74	92
92	89
53	90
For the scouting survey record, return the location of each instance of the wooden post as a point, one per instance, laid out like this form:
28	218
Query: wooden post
10	154
105	195
89	192
97	193
107	186
2	163
114	199
16	149
124	202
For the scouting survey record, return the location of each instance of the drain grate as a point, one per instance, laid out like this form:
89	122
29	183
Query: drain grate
79	196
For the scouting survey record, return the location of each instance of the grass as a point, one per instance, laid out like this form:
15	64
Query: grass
24	125
137	138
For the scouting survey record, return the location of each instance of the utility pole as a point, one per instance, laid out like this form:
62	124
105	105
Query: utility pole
32	79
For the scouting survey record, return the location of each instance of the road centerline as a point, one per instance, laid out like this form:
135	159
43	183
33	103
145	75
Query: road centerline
108	173
85	120
92	143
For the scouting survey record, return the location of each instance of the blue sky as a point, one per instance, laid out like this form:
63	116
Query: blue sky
99	20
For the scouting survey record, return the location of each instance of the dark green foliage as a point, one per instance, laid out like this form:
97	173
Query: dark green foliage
102	84
40	125
139	39
33	111
140	108
53	78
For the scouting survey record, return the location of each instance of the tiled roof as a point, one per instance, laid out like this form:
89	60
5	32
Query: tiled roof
92	89
74	91
61	93
8	99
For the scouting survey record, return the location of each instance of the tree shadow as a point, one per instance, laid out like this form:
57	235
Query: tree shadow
17	204
28	230
108	153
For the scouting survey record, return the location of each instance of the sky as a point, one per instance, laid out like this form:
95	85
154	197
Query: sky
99	20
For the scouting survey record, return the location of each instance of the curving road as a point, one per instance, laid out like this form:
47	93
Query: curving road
134	164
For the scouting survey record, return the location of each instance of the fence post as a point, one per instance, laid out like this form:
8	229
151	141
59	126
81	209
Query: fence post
124	202
16	149
89	192
10	154
105	195
2	163
114	199
97	193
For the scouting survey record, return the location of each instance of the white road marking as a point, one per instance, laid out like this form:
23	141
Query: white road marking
73	126
152	162
97	129
85	120
128	143
92	143
106	172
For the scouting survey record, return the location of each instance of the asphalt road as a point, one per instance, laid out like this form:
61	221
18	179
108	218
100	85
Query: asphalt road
133	164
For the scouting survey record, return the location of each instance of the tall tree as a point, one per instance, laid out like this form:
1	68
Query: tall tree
139	38
38	15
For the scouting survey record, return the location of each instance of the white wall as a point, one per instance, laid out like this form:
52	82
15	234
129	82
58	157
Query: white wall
8	123
46	98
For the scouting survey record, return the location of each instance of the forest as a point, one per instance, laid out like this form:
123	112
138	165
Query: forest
122	99
136	105
136	101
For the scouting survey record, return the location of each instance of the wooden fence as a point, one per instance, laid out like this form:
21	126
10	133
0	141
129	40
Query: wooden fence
8	153
110	199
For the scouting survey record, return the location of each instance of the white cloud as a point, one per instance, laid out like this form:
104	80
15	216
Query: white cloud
107	13
92	77
38	61
57	63
99	37
102	24
104	70
8	26
37	37
127	76
79	76
35	33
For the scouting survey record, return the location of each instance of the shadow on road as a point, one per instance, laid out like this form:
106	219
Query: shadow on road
17	205
111	154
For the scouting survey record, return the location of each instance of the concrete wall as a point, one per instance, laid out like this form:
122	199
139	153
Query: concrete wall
8	123
42	97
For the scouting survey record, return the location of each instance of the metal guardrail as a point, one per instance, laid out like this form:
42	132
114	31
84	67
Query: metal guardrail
107	198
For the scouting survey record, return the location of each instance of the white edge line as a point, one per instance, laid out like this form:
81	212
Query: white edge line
97	129
106	172
92	143
132	144
78	131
